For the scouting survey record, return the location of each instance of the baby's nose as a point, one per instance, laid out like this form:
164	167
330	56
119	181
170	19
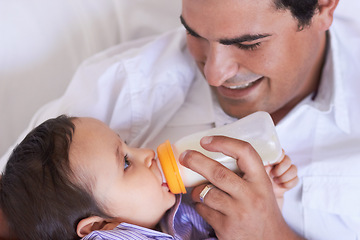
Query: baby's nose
149	157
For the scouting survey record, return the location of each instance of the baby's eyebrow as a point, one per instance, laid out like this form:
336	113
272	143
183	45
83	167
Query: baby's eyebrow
118	157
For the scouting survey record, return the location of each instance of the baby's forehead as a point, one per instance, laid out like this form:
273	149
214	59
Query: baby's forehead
88	122
87	128
92	143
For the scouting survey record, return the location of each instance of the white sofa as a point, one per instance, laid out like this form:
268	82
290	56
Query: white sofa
42	43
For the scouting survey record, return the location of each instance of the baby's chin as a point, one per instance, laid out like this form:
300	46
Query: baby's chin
172	198
167	192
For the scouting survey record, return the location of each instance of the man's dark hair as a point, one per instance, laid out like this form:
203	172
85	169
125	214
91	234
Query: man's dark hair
37	196
302	10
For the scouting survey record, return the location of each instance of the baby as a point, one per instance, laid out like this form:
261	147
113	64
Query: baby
73	178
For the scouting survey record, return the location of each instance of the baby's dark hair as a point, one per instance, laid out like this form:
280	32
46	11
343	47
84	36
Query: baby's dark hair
37	195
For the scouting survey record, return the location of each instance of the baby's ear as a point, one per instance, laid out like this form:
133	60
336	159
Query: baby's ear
93	223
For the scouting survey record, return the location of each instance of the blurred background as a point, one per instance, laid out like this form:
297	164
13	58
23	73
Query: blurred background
43	42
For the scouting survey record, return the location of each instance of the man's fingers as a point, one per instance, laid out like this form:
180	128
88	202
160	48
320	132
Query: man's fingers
214	198
213	171
251	168
211	216
248	160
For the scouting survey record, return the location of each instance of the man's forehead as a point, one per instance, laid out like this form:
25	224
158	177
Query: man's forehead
228	39
243	4
228	24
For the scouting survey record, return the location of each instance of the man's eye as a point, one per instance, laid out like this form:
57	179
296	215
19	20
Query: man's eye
126	162
250	47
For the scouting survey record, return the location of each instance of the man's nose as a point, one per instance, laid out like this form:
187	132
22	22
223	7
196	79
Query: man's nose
220	64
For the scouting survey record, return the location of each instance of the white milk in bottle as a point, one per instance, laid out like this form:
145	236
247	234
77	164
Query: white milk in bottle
258	129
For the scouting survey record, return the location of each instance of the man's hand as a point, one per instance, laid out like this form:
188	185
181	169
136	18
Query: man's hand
239	207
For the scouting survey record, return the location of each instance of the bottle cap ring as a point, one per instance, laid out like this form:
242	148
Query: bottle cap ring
170	168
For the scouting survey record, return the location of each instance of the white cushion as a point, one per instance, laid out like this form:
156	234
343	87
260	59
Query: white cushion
43	42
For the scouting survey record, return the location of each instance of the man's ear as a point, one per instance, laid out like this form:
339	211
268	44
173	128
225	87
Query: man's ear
325	13
89	224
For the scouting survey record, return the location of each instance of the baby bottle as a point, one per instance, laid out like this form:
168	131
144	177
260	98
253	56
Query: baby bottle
258	129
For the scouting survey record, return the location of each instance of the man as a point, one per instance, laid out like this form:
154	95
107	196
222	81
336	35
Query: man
271	55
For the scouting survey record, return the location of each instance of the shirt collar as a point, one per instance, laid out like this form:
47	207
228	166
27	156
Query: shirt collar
330	97
167	222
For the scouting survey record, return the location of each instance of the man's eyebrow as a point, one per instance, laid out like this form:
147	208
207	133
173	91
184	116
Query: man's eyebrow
237	40
244	38
191	31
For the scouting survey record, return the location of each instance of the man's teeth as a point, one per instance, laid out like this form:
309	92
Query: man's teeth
241	86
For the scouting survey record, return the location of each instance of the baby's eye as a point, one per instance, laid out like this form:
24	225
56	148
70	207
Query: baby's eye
126	162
